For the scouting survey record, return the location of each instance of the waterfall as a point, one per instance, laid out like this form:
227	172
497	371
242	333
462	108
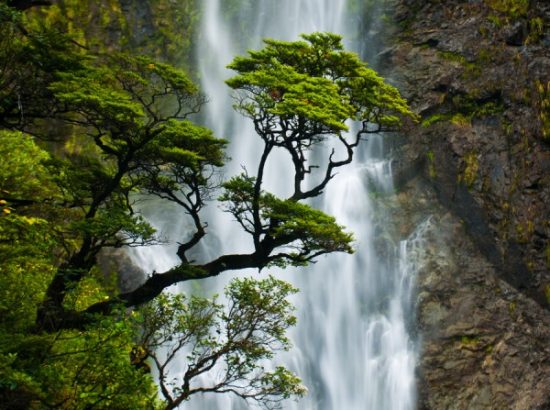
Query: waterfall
352	345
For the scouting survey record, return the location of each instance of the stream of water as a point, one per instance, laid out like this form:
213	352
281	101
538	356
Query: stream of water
352	345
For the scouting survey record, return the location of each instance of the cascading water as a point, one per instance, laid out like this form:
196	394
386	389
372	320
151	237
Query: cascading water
352	347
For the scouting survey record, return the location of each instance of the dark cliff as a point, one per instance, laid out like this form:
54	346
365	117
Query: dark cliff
478	74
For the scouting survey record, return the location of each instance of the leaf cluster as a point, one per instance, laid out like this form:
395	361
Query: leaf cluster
78	370
228	341
315	81
300	232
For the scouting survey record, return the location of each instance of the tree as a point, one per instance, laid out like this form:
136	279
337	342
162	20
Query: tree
71	369
298	94
134	110
125	127
231	339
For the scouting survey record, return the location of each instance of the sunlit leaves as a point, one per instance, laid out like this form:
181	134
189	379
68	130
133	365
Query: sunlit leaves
24	174
300	231
26	238
317	81
184	144
228	343
312	229
282	383
260	309
283	91
89	93
93	368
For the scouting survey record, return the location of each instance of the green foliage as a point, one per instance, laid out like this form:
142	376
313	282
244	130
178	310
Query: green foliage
471	168
472	69
536	30
26	237
470	107
301	229
27	266
86	91
139	107
298	94
226	342
524	231
512	8
433	119
463	108
314	81
125	113
115	227
185	145
161	28
71	369
313	229
122	90
497	22
24	168
469	341
453	56
74	370
30	63
460	120
544	108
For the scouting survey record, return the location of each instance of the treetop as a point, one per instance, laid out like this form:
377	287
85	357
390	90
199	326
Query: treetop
316	80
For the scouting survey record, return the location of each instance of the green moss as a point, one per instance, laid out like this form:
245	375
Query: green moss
473	342
511	8
452	56
486	55
460	120
471	168
543	107
471	69
165	30
547	292
435	118
497	21
470	341
512	307
524	231
536	30
471	107
464	109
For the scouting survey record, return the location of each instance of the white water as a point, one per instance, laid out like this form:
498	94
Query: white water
352	347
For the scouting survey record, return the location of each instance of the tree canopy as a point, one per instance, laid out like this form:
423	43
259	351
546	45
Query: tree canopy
82	133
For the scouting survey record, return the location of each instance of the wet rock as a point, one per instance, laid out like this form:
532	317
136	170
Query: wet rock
485	179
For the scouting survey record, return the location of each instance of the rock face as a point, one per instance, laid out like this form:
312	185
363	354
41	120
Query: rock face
478	74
